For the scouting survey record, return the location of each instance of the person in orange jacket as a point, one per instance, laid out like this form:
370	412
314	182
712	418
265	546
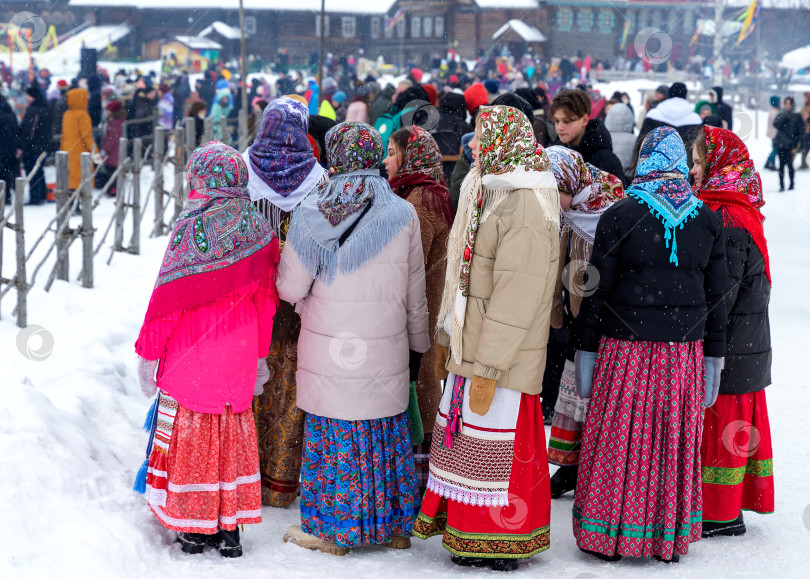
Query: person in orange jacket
77	133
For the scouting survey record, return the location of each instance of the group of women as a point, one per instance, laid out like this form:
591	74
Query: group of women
304	318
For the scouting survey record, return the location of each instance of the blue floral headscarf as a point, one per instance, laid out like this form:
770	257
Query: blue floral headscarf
661	183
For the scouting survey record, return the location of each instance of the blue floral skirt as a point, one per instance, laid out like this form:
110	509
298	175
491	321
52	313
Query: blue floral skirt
358	480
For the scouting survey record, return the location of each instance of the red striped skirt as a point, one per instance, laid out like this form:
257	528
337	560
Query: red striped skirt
203	469
736	457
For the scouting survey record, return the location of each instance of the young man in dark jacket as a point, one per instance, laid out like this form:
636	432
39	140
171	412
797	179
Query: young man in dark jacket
789	130
36	134
570	111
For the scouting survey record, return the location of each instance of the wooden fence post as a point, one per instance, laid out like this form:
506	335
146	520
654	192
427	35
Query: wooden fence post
158	156
22	276
135	240
62	194
86	197
223	130
120	197
179	169
244	137
190	146
208	130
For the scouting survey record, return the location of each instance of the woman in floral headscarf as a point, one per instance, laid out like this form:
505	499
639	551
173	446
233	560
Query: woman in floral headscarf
283	171
488	493
736	455
414	166
585	194
657	320
209	318
353	267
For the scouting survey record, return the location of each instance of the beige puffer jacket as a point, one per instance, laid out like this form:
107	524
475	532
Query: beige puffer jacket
512	278
356	331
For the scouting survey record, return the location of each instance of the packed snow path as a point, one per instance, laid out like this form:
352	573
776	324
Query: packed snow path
70	442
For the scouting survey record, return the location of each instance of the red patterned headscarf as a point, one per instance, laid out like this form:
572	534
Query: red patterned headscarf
732	183
422	167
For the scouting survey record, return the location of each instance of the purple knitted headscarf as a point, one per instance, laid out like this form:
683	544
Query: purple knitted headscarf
281	155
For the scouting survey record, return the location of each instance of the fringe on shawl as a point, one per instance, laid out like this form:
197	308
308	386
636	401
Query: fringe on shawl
387	218
211	319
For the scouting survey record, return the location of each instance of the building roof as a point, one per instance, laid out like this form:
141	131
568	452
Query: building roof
198	43
224	30
525	31
332	6
504	4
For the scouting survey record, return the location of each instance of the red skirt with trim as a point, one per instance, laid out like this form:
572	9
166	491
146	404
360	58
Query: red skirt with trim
207	476
516	531
736	457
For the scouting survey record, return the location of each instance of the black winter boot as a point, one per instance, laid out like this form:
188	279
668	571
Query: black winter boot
733	528
192	543
503	564
229	544
609	558
564	480
468	561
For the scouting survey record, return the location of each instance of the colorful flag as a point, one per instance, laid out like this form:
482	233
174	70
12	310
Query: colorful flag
394	20
698	31
625	34
750	22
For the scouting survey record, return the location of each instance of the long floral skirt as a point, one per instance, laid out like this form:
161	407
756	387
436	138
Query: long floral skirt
570	411
639	489
280	425
358	481
736	456
482	505
203	469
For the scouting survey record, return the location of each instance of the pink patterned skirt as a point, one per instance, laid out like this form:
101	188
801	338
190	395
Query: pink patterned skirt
639	487
203	469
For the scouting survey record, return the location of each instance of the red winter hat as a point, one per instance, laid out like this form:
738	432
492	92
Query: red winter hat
476	96
62	83
432	93
416	74
114	106
453	78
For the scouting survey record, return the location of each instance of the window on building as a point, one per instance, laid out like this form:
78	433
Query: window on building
318	25
565	18
672	21
630	16
376	25
427	26
416	27
606	21
401	29
438	27
585	19
656	19
348	26
689	22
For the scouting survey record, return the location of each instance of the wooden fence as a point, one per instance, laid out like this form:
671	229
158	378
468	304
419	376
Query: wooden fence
165	149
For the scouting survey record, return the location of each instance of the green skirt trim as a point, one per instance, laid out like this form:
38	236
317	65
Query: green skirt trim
637	531
718	475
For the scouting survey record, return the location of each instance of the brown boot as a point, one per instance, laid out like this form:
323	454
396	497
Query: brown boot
398	542
295	534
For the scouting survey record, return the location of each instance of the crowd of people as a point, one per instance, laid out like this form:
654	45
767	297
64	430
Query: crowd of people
378	311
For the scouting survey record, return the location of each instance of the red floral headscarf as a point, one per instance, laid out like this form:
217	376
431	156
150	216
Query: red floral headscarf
733	184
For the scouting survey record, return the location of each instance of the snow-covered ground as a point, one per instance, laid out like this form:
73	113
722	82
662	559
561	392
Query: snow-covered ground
70	439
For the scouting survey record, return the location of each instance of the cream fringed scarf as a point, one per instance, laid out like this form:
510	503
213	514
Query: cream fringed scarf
468	219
